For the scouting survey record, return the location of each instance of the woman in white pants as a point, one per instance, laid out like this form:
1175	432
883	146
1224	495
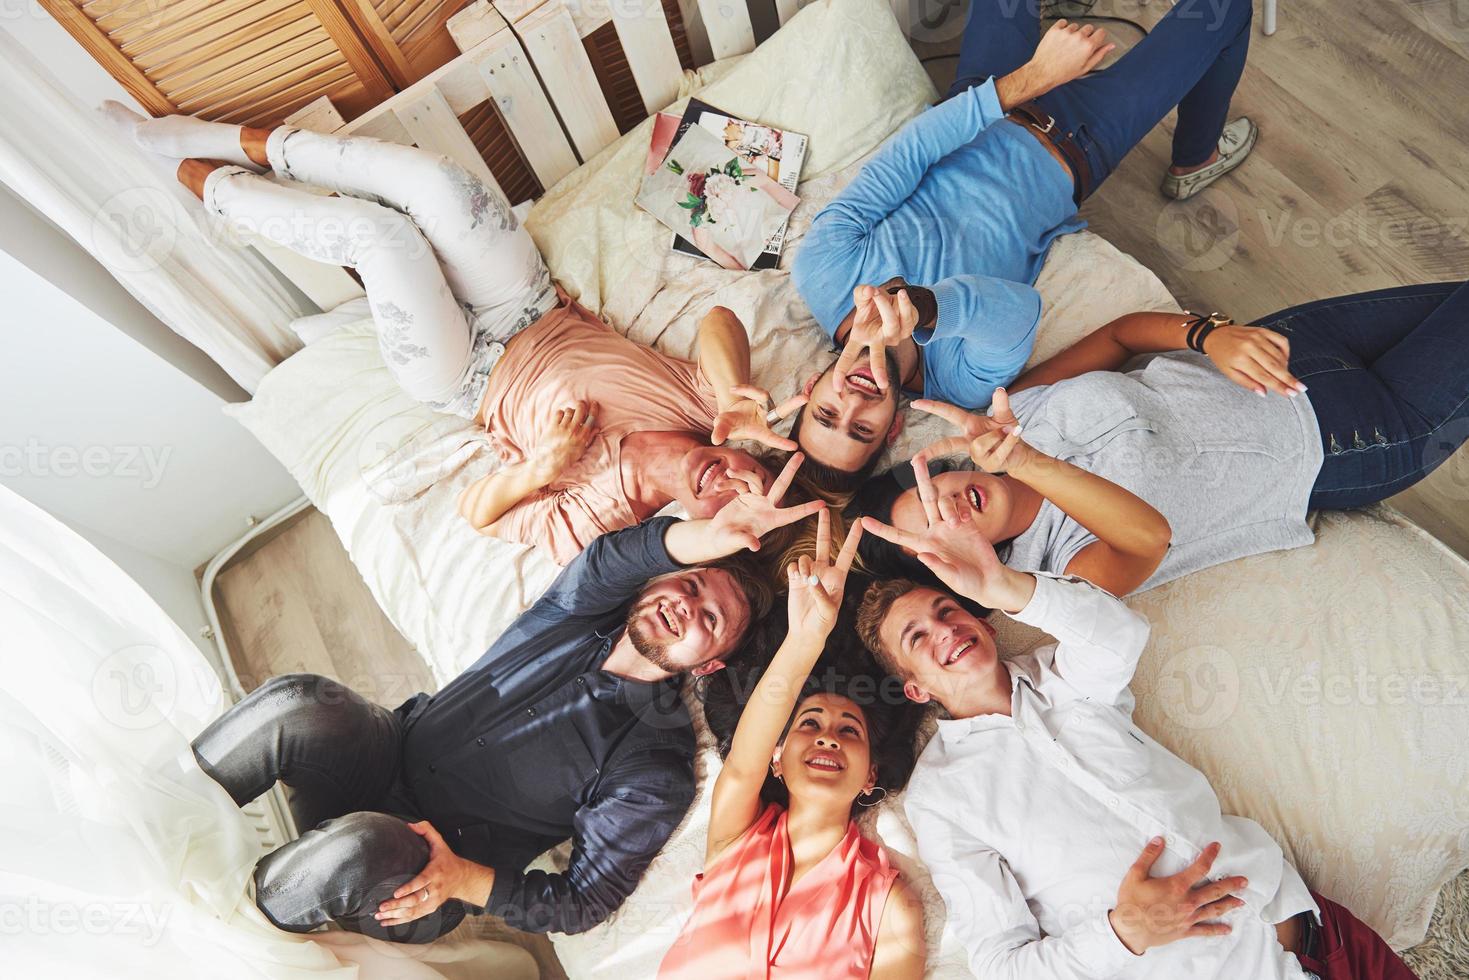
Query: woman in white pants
449	273
451	279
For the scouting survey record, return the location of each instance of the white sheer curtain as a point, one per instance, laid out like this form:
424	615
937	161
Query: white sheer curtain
147	231
119	858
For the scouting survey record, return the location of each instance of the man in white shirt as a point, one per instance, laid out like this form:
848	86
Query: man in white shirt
1067	843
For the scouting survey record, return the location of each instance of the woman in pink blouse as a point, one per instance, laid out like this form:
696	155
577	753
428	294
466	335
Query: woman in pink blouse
796	891
599	432
596	432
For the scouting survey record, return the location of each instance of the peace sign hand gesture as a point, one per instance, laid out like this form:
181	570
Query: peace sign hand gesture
954	549
971	425
750	417
741	523
816	584
881	321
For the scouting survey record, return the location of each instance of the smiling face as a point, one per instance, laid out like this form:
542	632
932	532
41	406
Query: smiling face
689	621
845	431
988	499
939	645
707	485
826	757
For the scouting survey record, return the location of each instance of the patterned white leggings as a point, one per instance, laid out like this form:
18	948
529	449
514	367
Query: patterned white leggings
449	274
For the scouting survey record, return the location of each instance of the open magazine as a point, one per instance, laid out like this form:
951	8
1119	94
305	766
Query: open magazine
708	194
777	153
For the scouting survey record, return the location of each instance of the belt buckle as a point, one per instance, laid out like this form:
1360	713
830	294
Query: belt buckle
1050	124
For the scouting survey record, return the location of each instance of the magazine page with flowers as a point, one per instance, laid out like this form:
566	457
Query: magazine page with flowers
778	152
709	196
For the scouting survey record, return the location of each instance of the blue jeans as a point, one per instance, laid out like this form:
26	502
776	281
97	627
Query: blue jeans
1388	377
1192	59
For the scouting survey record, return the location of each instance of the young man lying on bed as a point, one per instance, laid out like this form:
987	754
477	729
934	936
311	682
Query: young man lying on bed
597	432
570	725
961	205
1066	843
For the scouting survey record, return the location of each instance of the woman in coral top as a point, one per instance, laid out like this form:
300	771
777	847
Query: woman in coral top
796	891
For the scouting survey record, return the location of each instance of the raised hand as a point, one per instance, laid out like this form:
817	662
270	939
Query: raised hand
564	440
1067	52
971	425
1157	911
1255	358
881	321
954	549
747	518
750	417
816	583
1000	451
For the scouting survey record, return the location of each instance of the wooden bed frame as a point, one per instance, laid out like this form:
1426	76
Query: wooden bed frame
528	58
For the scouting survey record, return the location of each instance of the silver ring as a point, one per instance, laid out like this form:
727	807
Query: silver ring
772	416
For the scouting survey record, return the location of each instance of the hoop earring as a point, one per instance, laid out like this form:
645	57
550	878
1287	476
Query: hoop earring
875	789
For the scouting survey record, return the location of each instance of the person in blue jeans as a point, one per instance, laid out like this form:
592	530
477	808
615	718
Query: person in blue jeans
950	221
1161	443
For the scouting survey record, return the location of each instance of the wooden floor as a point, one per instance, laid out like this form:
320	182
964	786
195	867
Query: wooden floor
1359	182
294	603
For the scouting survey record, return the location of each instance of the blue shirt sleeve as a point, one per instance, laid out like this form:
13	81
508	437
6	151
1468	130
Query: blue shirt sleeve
612	569
830	259
981	339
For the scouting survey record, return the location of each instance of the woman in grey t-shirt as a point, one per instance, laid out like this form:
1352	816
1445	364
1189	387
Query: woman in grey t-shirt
1131	459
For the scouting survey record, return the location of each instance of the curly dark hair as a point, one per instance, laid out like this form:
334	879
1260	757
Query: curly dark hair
844	668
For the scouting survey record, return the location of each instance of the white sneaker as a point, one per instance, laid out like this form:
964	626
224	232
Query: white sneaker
1235	144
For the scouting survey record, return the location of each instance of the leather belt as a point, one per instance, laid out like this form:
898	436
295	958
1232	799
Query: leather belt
1043	125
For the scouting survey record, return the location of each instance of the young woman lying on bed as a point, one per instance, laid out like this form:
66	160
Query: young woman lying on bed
1132	478
598	432
790	886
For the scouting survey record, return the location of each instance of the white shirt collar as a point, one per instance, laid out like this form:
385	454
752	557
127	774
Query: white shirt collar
1024	671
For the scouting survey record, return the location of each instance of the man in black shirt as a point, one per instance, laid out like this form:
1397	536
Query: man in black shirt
570	725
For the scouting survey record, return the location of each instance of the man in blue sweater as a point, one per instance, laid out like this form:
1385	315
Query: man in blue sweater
928	259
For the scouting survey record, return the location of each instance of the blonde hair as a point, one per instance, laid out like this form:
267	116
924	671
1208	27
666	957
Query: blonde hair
785	544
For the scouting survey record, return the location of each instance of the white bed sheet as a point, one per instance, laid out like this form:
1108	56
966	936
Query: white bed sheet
1369	795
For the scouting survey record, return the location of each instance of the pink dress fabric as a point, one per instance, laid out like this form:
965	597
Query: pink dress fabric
566	356
749	921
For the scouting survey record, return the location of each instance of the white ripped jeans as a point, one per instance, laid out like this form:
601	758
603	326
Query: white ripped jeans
449	273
